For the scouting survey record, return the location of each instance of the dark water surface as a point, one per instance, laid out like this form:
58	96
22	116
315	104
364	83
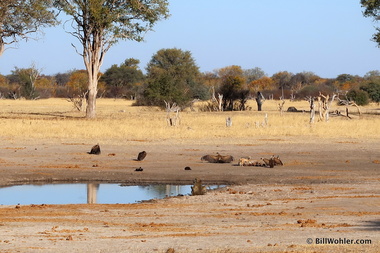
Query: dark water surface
88	193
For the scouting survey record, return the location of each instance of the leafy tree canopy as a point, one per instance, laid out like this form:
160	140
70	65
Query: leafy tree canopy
99	24
233	87
125	75
373	90
20	18
253	74
173	76
372	9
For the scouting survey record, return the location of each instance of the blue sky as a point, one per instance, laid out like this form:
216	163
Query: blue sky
327	37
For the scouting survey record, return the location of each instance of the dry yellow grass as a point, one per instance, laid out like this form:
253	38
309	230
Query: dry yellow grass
118	119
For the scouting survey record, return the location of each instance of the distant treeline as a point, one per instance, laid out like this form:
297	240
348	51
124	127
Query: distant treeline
173	76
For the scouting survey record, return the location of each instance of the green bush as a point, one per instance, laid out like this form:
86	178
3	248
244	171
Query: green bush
373	90
359	96
173	77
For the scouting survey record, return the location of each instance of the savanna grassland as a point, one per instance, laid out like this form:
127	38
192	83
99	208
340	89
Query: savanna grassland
329	186
118	119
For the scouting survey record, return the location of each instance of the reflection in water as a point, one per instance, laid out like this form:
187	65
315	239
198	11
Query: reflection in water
88	193
92	191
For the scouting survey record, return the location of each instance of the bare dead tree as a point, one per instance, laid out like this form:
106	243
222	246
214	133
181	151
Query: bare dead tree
263	123
281	106
310	99
215	104
259	100
324	106
192	104
172	114
347	103
78	101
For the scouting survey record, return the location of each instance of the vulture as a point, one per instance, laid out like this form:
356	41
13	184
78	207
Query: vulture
95	150
139	169
141	156
266	161
217	158
277	161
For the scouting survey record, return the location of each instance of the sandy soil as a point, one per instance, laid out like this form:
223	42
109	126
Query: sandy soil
327	189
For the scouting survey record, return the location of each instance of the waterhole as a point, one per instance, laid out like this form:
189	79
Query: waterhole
89	193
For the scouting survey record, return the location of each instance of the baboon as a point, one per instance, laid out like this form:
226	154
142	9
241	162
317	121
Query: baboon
141	156
95	150
218	158
198	188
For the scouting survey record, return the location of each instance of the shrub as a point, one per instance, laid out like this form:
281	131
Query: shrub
359	96
373	90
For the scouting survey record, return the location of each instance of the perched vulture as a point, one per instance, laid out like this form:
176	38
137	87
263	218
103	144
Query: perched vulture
95	150
217	158
139	169
141	156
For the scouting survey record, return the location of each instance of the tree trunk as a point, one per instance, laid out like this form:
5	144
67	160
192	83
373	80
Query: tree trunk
91	103
259	100
1	47
92	90
93	59
312	110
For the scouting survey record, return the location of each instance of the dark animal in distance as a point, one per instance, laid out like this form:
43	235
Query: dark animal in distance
139	169
293	109
218	158
187	168
95	150
198	188
141	156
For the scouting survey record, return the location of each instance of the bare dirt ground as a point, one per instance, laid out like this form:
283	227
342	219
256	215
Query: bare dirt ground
326	189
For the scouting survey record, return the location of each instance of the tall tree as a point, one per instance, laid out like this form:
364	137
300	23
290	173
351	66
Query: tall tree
27	80
282	79
173	76
19	19
123	80
233	87
99	24
254	74
126	74
372	9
